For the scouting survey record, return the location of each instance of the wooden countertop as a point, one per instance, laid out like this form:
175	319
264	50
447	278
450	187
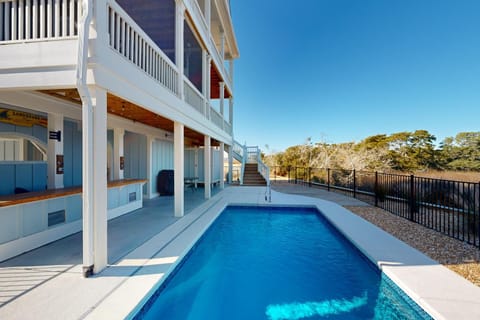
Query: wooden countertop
14	199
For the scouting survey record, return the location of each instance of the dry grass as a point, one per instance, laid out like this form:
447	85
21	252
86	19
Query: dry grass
458	256
451	175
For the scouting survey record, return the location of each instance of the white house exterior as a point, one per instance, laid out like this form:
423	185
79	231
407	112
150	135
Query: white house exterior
93	92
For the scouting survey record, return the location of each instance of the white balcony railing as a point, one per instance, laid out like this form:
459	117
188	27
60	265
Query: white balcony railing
193	97
216	117
227	127
30	20
129	40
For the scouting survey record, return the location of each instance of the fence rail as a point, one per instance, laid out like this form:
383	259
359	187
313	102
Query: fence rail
447	206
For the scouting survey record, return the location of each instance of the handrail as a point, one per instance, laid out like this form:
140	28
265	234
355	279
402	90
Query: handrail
251	154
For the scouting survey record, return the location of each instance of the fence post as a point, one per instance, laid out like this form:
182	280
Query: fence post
328	179
478	220
412	197
354	183
309	177
375	189
295	174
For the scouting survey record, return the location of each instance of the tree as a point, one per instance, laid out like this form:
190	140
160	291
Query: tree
461	152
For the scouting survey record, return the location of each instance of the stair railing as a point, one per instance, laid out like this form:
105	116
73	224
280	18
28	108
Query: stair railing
251	154
240	153
263	169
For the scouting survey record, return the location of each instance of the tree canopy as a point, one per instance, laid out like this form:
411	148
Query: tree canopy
402	151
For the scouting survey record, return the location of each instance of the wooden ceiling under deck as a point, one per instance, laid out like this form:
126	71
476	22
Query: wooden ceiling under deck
125	109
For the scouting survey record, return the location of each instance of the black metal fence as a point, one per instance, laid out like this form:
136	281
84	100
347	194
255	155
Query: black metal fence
450	207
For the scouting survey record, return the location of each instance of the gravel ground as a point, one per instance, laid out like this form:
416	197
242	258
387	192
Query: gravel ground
458	256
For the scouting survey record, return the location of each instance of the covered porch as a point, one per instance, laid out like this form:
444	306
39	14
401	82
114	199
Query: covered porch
39	267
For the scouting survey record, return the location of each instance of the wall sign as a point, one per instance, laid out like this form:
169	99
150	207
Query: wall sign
20	118
55	135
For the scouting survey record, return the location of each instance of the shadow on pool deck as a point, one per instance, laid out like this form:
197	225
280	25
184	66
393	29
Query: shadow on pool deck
27	271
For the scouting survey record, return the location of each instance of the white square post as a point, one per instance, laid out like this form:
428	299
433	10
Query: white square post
179	157
94	122
222	168
208	167
55	151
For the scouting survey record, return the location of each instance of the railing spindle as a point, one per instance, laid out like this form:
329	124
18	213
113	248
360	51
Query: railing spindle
43	22
64	7
14	20
35	15
57	19
72	18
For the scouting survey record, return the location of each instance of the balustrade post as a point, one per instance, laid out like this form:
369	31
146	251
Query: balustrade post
354	183
328	179
478	218
179	43
375	189
295	174
412	197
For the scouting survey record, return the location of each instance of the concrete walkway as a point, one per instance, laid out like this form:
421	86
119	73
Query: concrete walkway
23	273
315	192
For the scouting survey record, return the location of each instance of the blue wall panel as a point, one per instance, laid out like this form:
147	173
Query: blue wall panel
6	127
7	179
67	154
39	176
23	176
162	158
72	151
135	152
189	165
77	156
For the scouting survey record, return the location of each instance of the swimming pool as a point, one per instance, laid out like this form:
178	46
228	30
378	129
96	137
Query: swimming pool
277	263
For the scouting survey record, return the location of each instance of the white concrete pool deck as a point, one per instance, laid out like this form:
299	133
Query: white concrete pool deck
115	292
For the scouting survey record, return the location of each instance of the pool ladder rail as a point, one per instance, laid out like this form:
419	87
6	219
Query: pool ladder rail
268	193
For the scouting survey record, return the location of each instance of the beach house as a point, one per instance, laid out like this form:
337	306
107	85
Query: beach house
97	97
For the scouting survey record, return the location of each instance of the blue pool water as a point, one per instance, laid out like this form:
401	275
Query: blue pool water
277	263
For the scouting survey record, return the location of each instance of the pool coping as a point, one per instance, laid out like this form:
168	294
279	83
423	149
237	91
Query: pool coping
438	290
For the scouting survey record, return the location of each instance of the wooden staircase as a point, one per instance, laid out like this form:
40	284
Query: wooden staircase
251	176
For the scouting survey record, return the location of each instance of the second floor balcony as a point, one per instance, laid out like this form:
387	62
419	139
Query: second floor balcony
164	43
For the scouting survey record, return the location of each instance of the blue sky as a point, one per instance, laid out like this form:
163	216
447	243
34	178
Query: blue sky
342	70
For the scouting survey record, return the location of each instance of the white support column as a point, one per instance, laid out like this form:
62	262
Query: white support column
208	13
54	151
222	47
94	122
222	98
209	86
118	153
230	163
195	170
178	160
207	167
205	80
179	40
150	174
222	168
